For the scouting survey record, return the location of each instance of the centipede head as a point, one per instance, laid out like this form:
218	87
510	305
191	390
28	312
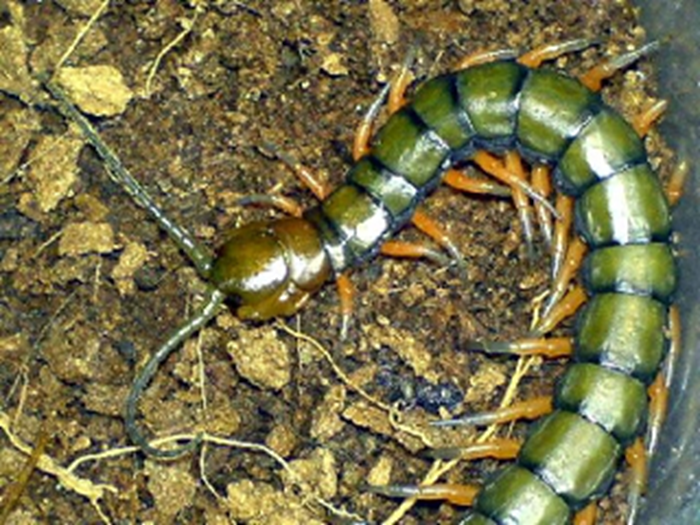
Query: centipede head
270	269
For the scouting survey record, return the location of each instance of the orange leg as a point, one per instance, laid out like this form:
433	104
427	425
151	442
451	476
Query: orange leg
542	184
428	226
282	203
587	515
529	409
413	251
569	267
537	56
593	78
637	459
462	495
658	391
497	448
674	187
563	309
513	174
494	167
363	133
397	98
637	455
397	94
514	165
346	291
308	178
549	348
459	181
484	57
456	494
560	239
643	122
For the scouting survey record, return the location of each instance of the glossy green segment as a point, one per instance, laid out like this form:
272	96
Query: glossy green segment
488	93
394	191
577	458
627	208
358	219
553	109
613	400
623	332
605	145
407	148
435	103
516	495
641	269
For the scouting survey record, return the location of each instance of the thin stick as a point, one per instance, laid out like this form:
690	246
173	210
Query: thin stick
81	34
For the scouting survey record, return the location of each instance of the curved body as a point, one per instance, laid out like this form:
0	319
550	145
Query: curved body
571	455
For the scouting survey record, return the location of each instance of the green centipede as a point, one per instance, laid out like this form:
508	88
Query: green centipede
621	211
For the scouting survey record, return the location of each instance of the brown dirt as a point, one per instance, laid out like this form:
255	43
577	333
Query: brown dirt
76	324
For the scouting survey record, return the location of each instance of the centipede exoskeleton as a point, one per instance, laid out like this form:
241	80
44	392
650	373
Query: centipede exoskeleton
495	110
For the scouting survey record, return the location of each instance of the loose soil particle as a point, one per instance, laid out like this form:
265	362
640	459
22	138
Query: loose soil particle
86	298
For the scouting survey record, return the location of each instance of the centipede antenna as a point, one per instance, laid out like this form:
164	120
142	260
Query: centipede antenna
192	325
118	173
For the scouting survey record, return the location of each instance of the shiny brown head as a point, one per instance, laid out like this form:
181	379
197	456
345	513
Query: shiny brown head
270	269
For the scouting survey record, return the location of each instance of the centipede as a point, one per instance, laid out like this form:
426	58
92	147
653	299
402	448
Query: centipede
612	224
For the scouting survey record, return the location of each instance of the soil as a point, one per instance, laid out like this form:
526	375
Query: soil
91	286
